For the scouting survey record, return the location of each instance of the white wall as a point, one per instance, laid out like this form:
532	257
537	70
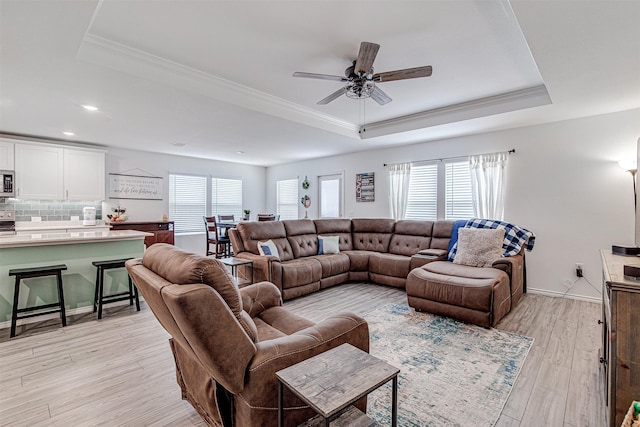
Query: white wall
138	162
563	183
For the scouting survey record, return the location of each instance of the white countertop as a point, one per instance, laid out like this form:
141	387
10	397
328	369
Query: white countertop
43	226
42	239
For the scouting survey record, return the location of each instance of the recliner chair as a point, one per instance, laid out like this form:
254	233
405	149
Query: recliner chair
229	342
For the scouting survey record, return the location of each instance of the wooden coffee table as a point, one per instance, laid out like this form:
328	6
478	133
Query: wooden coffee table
332	381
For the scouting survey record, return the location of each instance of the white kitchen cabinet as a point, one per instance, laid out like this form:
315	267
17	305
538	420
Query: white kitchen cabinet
39	172
49	172
83	174
6	155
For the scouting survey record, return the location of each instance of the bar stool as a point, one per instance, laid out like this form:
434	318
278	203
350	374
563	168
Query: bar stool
100	298
29	273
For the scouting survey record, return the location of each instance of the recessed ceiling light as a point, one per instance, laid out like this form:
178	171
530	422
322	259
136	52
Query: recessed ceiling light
178	144
239	152
69	133
90	108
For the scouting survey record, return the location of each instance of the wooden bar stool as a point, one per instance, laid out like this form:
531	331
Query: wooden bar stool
29	273
100	298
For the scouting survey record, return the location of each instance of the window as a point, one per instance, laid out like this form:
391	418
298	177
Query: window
287	198
440	190
191	197
423	193
226	197
330	191
187	202
458	196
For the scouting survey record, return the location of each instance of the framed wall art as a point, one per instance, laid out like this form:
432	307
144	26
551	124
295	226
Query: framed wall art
365	187
135	187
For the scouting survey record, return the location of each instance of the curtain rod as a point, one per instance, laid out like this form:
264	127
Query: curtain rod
513	150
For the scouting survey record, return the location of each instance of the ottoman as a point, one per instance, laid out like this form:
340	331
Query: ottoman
478	295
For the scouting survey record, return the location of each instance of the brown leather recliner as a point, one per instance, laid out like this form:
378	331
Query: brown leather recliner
229	342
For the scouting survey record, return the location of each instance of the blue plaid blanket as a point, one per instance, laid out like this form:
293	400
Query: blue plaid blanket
514	237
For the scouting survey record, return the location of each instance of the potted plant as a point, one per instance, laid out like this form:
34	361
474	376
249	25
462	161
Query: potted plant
246	212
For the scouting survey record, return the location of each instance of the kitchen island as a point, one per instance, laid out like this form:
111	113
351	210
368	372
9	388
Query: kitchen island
75	249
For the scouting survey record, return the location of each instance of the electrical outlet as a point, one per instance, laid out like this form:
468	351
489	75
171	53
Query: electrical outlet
579	269
568	283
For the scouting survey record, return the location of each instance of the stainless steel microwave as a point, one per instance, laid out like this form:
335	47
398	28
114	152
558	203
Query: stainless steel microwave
7	183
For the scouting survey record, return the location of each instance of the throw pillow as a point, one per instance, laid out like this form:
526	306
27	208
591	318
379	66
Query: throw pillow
479	247
268	248
328	245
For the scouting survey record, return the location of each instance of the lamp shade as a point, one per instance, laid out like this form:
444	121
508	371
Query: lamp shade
628	164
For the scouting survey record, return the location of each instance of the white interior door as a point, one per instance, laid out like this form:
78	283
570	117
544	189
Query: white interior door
330	189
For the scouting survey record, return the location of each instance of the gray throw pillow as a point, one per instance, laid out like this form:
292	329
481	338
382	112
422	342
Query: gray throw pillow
479	247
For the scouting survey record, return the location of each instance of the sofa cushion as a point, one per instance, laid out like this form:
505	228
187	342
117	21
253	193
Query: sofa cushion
441	234
333	264
372	234
479	247
336	227
301	234
358	260
182	268
389	264
296	272
410	237
328	245
253	232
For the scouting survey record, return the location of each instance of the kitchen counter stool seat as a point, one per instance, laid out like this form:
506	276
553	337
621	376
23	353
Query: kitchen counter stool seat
30	273
100	299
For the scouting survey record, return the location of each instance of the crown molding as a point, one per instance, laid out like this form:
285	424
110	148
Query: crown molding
104	52
503	103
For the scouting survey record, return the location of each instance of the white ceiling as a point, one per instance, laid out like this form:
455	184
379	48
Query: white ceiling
216	75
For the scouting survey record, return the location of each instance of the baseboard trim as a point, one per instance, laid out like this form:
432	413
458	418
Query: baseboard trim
561	294
68	311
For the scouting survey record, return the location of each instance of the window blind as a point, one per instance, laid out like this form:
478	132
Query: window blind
187	202
423	193
226	197
458	195
287	198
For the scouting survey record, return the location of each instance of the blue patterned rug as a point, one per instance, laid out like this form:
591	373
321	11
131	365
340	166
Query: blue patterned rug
452	373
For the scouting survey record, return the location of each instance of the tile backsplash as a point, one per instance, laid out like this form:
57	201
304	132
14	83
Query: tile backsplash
49	210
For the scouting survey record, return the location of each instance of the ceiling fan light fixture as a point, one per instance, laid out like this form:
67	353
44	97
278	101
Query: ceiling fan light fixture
360	91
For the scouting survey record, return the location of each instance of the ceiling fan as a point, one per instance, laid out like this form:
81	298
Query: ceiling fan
360	79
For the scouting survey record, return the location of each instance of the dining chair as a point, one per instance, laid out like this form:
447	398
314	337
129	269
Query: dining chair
222	244
266	217
222	218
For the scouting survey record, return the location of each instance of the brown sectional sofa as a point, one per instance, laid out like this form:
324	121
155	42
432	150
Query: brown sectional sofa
382	251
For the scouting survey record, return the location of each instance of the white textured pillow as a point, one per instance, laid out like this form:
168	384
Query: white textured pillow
479	247
268	248
328	245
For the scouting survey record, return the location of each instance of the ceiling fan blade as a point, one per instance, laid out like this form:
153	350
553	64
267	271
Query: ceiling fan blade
366	56
319	76
333	96
407	73
380	97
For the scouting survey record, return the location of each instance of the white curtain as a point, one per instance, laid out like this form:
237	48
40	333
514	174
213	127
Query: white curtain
399	189
487	184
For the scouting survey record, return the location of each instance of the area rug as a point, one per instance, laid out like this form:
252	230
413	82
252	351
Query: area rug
451	373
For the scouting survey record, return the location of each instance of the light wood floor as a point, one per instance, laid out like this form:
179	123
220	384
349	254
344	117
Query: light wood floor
119	371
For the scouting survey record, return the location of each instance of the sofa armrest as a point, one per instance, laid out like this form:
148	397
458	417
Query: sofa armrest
426	256
282	352
514	267
258	297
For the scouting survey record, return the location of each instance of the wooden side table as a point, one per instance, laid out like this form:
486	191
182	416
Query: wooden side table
332	381
234	262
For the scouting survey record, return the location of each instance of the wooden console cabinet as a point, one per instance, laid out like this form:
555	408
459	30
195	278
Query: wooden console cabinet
162	230
620	352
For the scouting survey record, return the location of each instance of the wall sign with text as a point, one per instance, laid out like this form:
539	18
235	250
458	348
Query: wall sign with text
365	187
135	187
